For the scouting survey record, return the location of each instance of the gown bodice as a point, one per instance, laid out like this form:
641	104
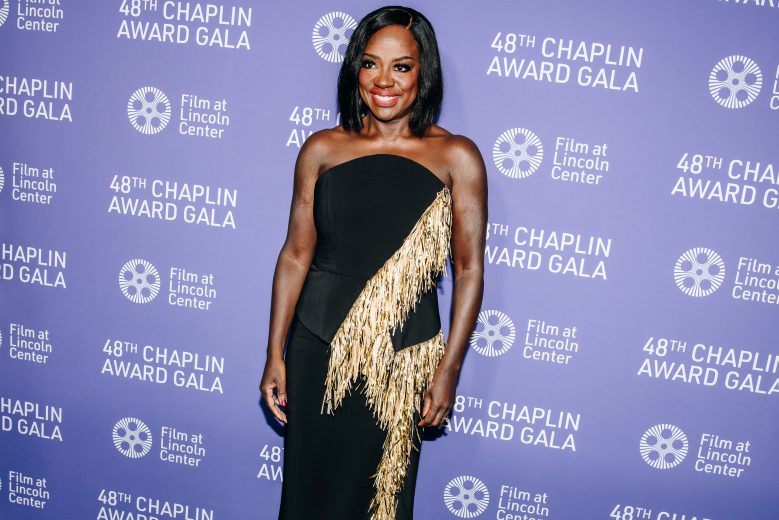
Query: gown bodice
364	209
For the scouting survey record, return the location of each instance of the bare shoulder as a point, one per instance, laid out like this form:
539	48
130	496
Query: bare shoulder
324	145
464	159
452	145
317	147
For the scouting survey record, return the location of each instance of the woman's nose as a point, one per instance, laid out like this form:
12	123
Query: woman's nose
384	78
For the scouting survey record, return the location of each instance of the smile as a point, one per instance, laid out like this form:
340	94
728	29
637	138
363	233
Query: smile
384	101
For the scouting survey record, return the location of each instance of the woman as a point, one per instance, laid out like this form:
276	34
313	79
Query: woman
378	203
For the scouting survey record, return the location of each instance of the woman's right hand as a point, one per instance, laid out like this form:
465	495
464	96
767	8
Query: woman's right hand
275	377
292	266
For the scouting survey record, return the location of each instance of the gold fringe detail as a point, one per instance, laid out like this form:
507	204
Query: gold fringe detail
409	374
362	346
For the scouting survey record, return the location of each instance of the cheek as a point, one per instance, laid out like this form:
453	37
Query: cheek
363	85
410	81
364	77
411	86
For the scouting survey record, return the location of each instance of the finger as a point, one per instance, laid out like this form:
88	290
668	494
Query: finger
267	392
434	414
439	417
431	413
267	395
281	391
447	414
425	409
278	414
427	404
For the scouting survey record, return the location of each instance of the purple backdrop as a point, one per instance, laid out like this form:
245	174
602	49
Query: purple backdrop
625	361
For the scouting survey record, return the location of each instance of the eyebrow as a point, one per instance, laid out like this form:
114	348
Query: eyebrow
396	59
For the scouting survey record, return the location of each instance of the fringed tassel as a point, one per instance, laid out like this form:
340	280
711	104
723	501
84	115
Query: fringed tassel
362	346
387	299
410	373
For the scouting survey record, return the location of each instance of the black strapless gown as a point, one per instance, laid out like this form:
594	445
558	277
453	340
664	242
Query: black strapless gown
365	340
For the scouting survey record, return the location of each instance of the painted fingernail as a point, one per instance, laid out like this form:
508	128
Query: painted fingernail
283	402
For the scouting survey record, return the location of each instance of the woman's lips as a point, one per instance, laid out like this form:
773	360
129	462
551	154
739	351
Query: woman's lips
384	101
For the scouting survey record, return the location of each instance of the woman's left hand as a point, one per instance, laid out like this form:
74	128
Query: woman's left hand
439	397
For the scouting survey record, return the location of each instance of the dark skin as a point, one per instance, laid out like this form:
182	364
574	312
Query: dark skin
389	68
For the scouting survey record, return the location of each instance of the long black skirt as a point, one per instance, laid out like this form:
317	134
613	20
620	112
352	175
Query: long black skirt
329	460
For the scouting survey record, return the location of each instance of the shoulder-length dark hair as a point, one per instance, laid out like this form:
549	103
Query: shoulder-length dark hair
427	105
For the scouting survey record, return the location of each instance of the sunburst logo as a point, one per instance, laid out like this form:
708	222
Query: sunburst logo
663	446
331	35
2	179
517	153
699	272
466	496
5	7
132	437
139	281
494	333
148	110
735	81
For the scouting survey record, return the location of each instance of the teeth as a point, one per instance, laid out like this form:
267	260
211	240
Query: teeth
384	98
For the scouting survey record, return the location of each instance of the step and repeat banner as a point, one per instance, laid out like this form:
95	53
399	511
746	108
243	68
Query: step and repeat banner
625	362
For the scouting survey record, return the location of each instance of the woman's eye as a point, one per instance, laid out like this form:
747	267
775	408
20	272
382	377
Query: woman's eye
403	67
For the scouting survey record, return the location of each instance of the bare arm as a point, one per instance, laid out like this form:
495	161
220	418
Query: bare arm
291	268
469	224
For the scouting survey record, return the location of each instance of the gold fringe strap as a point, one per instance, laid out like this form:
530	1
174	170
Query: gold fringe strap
362	346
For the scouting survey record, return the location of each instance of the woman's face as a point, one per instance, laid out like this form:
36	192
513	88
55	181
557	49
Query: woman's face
388	72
